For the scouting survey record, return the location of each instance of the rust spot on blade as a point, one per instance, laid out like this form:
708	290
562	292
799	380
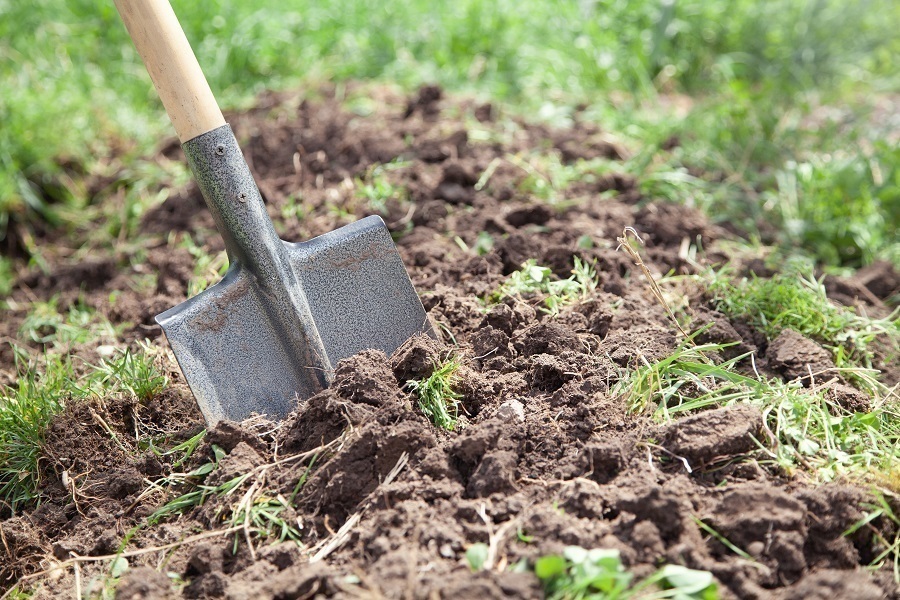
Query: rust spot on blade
373	252
215	317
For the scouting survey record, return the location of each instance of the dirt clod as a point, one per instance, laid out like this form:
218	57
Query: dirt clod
798	357
714	433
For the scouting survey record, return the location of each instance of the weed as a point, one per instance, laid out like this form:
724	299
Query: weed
198	493
547	177
185	449
437	398
477	555
685	380
257	512
533	279
722	539
293	208
792	301
484	243
580	574
841	207
264	515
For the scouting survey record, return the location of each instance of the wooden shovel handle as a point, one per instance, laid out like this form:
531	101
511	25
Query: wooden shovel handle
166	53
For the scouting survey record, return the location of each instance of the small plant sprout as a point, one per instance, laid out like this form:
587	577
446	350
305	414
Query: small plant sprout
580	573
477	555
533	279
376	189
598	574
436	395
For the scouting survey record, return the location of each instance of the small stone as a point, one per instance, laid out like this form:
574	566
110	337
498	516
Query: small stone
512	410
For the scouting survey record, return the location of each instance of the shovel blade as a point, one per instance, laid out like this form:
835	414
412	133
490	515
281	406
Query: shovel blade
234	358
358	290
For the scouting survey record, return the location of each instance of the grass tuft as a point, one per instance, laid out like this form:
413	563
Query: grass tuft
437	398
208	268
40	392
807	428
25	412
376	189
253	507
133	374
889	547
793	301
45	324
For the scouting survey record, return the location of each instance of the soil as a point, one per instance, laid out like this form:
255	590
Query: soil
546	454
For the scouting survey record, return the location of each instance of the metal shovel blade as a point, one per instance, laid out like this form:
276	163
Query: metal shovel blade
270	332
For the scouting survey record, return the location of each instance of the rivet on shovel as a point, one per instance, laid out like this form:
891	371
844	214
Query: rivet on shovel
284	314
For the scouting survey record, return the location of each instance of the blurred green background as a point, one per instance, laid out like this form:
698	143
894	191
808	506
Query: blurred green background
790	133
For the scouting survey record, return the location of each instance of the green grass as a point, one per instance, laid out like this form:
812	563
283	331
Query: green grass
208	268
533	280
546	176
41	391
793	301
263	513
133	374
807	430
437	398
45	324
25	412
843	208
881	508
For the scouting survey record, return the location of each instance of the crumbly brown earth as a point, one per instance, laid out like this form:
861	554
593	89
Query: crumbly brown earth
546	456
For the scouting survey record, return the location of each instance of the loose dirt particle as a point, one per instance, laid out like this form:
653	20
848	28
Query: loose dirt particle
144	583
829	584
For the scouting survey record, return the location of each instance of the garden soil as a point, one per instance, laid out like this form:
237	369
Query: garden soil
386	505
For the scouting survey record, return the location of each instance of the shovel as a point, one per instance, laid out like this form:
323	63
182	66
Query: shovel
272	330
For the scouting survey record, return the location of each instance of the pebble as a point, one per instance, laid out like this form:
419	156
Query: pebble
512	410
